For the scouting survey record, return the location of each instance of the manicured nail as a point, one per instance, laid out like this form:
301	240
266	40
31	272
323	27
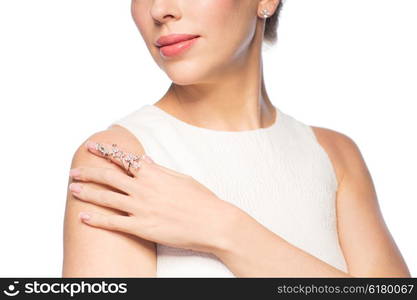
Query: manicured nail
74	172
75	187
90	144
148	159
84	216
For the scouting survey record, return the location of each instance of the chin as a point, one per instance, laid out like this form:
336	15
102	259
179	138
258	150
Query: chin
185	73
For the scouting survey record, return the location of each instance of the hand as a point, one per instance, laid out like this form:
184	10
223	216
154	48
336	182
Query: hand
162	205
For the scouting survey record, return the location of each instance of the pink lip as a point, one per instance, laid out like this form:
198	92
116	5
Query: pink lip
175	44
173	38
177	48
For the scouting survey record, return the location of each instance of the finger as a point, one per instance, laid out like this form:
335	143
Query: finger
102	197
170	171
110	222
110	177
126	160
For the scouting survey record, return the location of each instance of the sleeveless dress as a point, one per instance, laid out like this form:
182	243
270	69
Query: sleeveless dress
280	175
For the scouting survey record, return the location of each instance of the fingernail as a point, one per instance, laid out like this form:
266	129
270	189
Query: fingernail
74	172
90	144
75	187
148	159
84	216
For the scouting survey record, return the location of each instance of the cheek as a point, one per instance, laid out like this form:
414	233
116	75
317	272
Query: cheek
144	24
136	12
228	25
226	29
215	14
226	20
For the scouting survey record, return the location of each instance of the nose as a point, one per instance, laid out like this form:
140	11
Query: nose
164	11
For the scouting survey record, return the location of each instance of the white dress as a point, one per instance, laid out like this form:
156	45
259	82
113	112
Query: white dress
280	175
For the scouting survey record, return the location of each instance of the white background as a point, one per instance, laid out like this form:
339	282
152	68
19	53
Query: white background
70	68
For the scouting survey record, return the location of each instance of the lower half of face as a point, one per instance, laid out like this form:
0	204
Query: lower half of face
226	30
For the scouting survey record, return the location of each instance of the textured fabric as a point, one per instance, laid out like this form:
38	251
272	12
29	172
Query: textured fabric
280	175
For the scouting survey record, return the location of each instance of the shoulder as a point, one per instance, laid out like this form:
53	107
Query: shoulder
366	243
342	150
86	249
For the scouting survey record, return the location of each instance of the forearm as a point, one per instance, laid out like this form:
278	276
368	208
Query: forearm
251	250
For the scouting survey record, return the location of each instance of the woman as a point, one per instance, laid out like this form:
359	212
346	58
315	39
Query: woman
230	185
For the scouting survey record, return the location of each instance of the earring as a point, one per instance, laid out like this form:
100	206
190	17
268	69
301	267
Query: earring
265	13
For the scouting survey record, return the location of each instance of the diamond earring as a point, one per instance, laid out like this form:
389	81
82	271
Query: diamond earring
265	13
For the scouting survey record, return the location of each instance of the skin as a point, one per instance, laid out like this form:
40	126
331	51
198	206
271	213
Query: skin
227	57
160	203
217	66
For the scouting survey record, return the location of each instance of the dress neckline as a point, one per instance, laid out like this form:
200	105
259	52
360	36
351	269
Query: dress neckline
279	115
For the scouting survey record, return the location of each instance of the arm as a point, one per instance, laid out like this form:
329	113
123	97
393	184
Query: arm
368	247
94	252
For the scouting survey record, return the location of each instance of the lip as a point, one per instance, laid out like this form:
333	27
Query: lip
175	44
166	40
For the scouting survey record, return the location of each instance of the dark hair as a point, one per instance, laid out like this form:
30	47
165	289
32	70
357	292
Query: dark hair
271	26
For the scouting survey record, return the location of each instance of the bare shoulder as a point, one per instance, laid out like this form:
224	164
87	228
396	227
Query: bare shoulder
91	252
341	149
367	244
